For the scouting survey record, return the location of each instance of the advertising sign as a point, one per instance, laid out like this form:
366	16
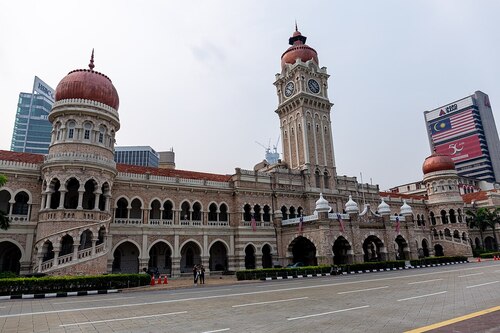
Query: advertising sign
450	108
462	149
43	88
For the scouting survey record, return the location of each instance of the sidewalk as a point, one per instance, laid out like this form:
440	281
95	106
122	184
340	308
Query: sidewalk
187	282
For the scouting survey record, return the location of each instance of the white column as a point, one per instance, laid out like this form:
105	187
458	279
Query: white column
61	201
80	199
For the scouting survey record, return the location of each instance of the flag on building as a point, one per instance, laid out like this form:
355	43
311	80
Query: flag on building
458	124
253	223
398	226
339	217
301	221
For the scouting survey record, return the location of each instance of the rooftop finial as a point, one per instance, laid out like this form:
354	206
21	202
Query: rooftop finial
296	29
91	64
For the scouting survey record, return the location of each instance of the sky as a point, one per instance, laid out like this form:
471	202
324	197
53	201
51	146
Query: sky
197	75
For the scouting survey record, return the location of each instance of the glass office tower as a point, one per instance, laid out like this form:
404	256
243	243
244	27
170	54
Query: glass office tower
137	155
32	128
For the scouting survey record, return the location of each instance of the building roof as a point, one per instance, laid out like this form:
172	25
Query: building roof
172	173
402	196
468	198
7	155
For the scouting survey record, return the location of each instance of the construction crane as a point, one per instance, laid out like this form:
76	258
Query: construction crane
272	157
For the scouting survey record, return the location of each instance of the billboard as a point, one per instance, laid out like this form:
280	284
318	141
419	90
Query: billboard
449	108
463	149
459	123
43	88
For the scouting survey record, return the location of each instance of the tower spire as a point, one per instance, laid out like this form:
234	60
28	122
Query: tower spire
296	28
91	64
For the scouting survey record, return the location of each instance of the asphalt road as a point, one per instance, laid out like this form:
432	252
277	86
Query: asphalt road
394	301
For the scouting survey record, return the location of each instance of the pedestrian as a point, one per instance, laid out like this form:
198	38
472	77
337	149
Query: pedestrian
195	275
202	274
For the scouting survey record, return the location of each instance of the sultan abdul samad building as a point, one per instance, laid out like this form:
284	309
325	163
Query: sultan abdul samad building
75	211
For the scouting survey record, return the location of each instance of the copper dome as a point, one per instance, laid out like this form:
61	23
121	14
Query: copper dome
438	162
88	84
298	50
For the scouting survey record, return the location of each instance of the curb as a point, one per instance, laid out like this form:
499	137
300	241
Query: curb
358	272
61	294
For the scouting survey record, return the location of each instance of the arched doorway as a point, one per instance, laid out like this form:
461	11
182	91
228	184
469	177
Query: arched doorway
402	249
340	249
303	250
160	257
218	257
190	256
10	256
372	247
425	247
126	258
438	250
249	257
267	257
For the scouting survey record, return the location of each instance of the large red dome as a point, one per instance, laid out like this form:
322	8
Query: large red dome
438	162
88	84
298	50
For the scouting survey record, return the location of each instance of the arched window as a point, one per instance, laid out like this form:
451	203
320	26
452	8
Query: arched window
433	218
21	204
453	218
168	214
87	127
121	210
196	211
257	213
247	213
212	212
444	218
223	213
102	132
327	178
185	211
292	213
318	179
284	213
267	216
71	129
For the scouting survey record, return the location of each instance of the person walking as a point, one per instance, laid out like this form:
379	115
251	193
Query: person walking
195	274
202	274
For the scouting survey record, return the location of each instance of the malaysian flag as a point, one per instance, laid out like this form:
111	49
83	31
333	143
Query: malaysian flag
457	124
301	220
398	225
253	223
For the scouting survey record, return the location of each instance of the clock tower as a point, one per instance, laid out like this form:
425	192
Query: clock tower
304	112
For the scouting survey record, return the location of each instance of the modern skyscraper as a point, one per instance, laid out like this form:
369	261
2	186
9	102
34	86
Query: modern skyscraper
32	128
137	155
465	130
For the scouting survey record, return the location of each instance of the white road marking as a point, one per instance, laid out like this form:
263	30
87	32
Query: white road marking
327	313
199	292
93	300
425	281
482	284
360	290
120	319
414	297
270	302
461	276
241	294
222	330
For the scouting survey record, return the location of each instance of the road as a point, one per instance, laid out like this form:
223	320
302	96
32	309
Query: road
394	301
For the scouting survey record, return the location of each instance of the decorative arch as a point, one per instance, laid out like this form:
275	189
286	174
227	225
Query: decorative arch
303	250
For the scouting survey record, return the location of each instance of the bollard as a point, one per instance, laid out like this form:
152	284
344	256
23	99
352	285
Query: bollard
478	259
152	281
165	280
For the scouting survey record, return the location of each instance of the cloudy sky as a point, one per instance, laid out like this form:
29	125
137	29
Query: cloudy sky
197	75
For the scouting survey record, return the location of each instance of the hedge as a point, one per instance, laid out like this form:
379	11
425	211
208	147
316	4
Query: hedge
257	274
489	255
54	284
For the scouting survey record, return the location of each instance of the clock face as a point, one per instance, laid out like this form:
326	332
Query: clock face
289	88
313	86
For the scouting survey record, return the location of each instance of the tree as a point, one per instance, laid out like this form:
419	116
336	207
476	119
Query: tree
4	219
483	218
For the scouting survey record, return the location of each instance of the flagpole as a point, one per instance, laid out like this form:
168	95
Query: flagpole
362	190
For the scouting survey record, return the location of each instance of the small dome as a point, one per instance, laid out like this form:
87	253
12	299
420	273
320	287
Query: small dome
298	50
438	162
383	208
351	206
88	84
405	209
322	204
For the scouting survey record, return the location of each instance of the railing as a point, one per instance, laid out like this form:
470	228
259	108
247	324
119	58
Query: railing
82	157
296	220
127	221
160	222
401	218
257	224
73	214
218	223
47	264
18	218
333	216
190	223
450	239
64	259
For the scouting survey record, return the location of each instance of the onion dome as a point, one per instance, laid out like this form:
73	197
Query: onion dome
88	84
322	204
438	162
383	208
351	206
405	209
298	50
